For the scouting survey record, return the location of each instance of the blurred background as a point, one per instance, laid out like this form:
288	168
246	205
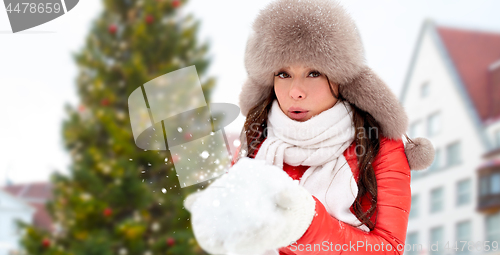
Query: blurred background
70	169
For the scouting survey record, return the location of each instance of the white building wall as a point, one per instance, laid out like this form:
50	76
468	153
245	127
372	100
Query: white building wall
491	131
456	125
10	210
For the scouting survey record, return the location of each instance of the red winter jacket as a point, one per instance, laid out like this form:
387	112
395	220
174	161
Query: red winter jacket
327	235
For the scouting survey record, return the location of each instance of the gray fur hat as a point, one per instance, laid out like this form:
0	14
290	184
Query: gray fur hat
320	34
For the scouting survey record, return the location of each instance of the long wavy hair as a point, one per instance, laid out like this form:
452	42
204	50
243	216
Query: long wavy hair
366	138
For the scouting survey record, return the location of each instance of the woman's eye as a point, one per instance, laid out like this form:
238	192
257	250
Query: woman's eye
283	75
315	74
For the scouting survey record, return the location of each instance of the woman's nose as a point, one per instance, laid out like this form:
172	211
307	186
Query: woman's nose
296	91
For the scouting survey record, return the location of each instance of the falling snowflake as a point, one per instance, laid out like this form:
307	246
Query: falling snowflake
204	154
216	203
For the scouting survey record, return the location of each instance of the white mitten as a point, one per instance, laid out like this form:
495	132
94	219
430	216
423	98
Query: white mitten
253	208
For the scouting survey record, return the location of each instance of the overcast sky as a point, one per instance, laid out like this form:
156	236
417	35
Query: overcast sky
37	73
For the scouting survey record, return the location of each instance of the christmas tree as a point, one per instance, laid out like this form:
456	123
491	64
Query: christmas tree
118	198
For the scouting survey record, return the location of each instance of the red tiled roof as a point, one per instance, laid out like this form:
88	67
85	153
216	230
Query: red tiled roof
13	189
35	190
472	53
35	194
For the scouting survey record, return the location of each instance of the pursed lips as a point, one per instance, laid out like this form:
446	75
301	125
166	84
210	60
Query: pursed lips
297	113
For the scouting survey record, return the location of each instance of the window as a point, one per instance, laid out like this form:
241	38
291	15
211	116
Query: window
417	129
412	239
497	138
437	200
437	239
463	192
490	184
495	183
414	206
13	227
433	124
453	154
436	163
463	233
425	89
484	186
493	227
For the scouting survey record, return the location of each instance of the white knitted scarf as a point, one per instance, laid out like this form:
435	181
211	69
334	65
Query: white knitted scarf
319	143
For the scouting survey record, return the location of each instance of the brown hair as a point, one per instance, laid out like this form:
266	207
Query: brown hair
366	139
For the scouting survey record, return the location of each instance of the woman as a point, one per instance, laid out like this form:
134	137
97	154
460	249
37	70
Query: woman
315	111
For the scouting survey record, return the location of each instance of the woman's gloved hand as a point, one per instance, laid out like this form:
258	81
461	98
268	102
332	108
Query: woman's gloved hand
252	208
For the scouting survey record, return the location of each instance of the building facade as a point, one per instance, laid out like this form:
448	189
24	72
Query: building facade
452	97
25	202
11	210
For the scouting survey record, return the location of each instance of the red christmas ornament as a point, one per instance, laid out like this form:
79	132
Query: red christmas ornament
149	19
105	102
107	212
45	243
81	108
176	3
170	241
112	29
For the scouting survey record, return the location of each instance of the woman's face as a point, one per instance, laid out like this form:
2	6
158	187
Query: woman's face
303	92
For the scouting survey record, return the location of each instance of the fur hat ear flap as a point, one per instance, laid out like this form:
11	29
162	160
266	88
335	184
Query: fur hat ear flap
419	152
369	93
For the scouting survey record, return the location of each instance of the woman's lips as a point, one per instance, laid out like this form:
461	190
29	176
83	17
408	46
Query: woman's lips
297	113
